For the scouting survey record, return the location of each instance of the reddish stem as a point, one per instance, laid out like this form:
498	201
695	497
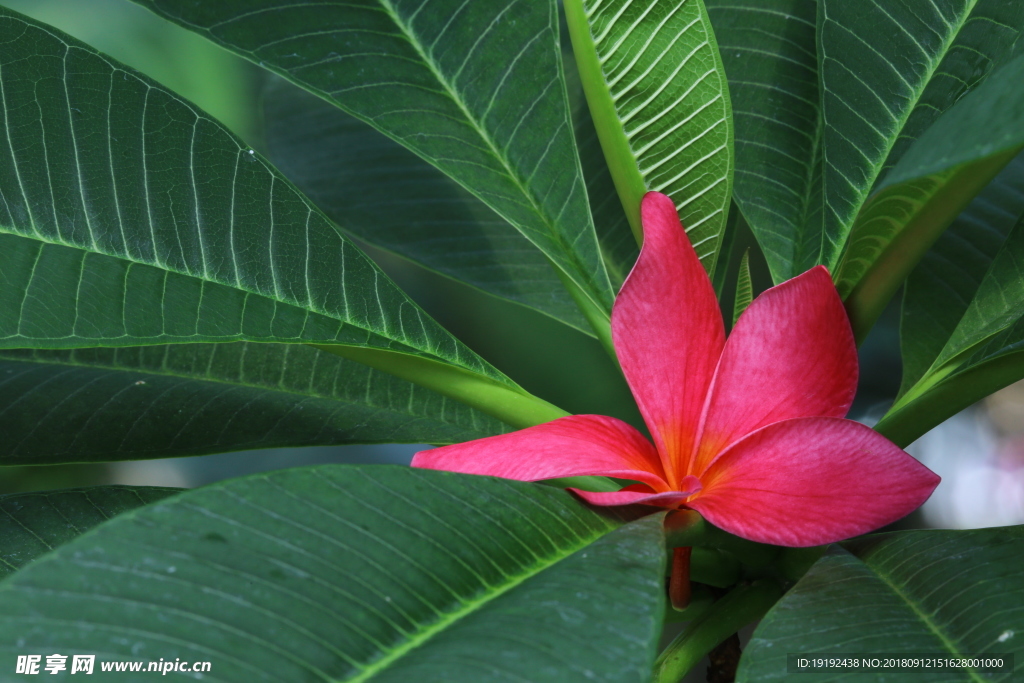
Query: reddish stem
679	583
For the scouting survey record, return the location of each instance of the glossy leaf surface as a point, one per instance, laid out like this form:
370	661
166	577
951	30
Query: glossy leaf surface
382	193
945	593
474	88
130	217
356	574
33	524
946	281
618	243
961	333
998	303
937	177
770	56
982	368
888	70
122	404
386	195
657	91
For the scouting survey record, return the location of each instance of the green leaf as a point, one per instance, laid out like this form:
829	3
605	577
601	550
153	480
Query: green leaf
515	407
618	244
382	193
997	305
982	355
908	420
770	56
150	195
33	524
888	71
733	226
744	289
476	89
932	183
130	218
730	613
943	285
660	103
931	592
338	573
90	405
962	332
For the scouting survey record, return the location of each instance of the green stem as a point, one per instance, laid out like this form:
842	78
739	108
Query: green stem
738	608
512	405
700	602
622	164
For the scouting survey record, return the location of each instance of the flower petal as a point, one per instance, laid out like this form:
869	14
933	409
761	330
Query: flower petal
791	354
571	446
641	495
668	332
811	481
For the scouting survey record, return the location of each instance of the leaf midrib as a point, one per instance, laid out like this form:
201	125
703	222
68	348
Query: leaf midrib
629	138
931	625
900	123
494	150
492	147
342	317
182	376
468	608
6	230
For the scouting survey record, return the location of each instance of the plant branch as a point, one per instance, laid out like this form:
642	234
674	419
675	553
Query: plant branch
738	608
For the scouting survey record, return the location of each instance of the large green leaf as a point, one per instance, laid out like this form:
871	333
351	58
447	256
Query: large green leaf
660	102
984	353
619	246
997	305
945	282
123	404
962	332
388	196
770	56
384	194
32	524
130	217
340	573
937	178
888	70
474	88
945	593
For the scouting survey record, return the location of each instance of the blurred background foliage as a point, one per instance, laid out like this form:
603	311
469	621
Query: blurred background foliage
979	453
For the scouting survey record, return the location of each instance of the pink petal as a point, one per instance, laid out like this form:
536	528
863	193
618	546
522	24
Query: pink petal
641	495
668	333
790	355
811	481
571	446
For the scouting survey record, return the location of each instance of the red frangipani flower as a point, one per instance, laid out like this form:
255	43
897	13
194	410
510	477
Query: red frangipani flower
747	431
